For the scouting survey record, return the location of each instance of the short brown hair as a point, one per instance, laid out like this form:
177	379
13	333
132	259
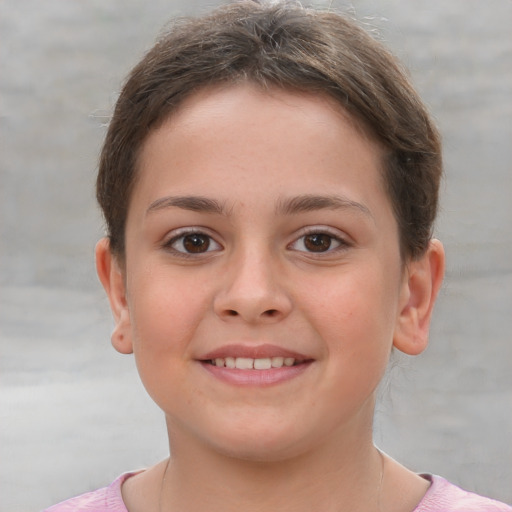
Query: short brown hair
291	47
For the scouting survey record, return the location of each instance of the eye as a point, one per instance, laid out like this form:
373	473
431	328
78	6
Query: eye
318	242
193	243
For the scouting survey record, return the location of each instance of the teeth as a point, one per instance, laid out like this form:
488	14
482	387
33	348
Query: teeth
248	363
244	363
263	364
277	362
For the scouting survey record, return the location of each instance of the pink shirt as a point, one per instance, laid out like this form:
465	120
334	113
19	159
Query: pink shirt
442	496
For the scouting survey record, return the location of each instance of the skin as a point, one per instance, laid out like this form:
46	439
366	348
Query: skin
258	278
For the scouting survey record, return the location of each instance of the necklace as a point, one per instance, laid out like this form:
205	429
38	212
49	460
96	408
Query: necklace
162	485
379	488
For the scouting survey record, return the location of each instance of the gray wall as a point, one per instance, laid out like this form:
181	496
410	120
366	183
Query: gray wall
73	414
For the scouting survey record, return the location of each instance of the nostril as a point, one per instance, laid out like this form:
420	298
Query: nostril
271	312
231	312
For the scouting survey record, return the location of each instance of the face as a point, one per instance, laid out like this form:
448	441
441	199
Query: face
262	285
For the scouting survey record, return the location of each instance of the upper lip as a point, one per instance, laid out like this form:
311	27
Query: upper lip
255	352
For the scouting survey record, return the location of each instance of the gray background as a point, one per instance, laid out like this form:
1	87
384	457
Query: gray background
73	414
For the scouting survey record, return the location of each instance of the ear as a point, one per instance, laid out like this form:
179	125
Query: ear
113	281
421	283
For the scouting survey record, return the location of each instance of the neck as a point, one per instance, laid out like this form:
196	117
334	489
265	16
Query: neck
336	475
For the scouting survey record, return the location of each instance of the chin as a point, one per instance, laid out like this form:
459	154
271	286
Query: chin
258	453
257	442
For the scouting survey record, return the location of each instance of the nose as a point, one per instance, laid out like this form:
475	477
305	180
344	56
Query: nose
253	290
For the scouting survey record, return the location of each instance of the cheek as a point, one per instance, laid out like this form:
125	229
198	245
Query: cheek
164	320
355	311
165	311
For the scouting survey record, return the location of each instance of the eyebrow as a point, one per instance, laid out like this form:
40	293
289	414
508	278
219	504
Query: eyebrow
287	206
192	203
310	202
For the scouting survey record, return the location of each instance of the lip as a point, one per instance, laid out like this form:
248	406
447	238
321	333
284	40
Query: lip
256	378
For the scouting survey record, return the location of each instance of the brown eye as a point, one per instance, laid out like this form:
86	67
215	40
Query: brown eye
193	243
317	242
196	243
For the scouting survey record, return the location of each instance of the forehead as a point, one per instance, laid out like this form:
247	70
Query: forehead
241	132
263	110
252	100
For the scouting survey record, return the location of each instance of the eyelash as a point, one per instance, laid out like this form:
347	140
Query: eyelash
181	235
341	243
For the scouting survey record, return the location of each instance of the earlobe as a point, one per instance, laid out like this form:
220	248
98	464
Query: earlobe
420	287
112	279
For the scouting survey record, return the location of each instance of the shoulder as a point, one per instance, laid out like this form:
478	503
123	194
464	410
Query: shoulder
446	497
102	500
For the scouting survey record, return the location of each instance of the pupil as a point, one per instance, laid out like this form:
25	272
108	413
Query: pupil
317	242
196	243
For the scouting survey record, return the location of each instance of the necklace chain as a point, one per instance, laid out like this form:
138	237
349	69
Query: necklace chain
162	484
379	489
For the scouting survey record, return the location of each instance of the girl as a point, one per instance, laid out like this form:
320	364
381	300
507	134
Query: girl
269	182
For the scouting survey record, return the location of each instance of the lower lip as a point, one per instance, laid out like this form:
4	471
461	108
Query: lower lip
259	378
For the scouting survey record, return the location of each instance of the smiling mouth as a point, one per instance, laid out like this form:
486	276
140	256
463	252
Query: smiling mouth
249	363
